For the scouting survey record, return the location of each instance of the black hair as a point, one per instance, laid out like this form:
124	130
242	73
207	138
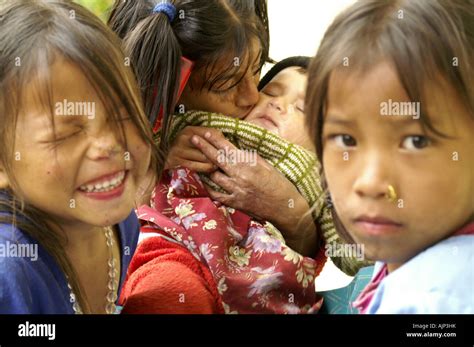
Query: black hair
422	47
297	61
38	33
204	31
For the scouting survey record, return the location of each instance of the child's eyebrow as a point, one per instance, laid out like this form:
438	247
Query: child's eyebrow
403	121
70	119
66	122
277	83
337	120
394	121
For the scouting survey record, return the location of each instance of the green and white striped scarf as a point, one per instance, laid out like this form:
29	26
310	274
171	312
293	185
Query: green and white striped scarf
297	164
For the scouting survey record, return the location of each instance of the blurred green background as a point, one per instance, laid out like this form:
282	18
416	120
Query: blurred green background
99	7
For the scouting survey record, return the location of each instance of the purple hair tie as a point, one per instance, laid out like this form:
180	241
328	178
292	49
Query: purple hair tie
166	8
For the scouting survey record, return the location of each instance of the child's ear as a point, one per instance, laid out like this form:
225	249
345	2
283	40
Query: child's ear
4	182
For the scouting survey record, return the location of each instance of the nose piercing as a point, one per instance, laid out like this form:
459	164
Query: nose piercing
391	194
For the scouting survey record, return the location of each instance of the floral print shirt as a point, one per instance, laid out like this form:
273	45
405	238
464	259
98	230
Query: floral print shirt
255	271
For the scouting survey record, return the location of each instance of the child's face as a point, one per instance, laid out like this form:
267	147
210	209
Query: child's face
236	101
364	152
56	176
281	107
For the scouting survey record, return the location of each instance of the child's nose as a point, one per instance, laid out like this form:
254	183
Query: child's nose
374	177
104	146
247	95
278	104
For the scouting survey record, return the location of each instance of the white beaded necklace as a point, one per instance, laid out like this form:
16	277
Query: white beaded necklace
112	286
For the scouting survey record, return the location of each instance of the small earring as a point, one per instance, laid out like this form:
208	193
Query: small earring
391	194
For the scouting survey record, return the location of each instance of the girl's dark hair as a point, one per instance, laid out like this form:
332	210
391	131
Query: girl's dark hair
426	40
38	33
204	31
296	61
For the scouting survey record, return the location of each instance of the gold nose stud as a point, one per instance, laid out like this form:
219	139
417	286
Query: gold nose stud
391	194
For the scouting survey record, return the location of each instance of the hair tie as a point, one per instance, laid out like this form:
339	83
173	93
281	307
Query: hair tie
166	8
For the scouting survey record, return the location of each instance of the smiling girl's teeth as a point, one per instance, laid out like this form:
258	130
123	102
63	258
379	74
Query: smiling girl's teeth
104	186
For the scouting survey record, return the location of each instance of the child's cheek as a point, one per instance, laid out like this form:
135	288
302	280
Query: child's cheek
136	145
141	153
337	175
332	168
38	178
144	158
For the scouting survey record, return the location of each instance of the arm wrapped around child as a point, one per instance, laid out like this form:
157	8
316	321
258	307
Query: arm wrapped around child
255	271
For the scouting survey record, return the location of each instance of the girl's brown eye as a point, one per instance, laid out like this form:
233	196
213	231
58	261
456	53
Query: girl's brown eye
348	140
415	142
343	140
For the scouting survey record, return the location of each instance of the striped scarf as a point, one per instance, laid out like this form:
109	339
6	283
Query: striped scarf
297	164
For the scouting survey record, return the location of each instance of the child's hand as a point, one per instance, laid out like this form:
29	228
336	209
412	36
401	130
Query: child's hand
260	190
184	153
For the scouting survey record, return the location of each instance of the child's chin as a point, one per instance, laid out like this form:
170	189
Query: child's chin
108	218
384	255
374	252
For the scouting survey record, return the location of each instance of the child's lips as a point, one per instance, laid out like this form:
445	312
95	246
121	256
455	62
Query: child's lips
115	174
104	181
268	121
107	190
377	225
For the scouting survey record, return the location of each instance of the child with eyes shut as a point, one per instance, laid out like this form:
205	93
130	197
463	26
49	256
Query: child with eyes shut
76	146
255	271
166	49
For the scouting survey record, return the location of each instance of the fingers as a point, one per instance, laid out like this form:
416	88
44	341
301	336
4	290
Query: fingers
201	131
184	153
223	181
223	198
218	140
184	160
211	153
190	154
196	166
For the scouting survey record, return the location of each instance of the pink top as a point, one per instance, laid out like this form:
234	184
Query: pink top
365	297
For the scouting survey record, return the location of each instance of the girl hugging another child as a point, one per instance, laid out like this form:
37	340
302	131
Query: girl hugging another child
254	269
75	147
202	250
407	189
